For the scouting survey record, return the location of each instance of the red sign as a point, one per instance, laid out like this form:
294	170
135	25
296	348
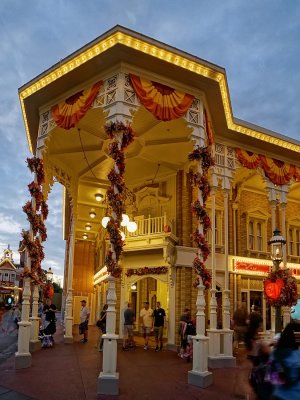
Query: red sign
252	267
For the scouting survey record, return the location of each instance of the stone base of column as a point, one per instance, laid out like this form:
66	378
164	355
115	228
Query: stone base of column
221	362
200	379
108	384
34	345
172	347
68	339
22	360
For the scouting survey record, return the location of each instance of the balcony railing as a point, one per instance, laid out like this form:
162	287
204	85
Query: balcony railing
150	226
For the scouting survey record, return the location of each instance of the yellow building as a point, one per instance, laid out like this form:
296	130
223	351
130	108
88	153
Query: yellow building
175	103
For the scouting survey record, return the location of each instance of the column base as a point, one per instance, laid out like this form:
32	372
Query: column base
200	379
68	339
108	384
34	345
22	360
221	362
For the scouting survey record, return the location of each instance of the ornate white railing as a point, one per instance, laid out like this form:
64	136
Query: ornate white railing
150	226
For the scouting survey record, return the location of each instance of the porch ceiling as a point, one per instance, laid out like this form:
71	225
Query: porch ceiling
159	150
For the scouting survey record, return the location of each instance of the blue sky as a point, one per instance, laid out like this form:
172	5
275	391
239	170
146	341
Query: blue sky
257	42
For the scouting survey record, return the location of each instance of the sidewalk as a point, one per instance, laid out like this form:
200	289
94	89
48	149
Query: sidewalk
70	372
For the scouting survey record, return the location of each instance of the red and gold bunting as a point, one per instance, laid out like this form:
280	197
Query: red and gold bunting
69	112
164	102
247	158
279	172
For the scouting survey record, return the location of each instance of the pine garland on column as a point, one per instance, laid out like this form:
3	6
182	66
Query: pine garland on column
121	136
36	211
200	180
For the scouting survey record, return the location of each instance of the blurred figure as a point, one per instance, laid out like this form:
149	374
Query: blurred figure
285	360
240	318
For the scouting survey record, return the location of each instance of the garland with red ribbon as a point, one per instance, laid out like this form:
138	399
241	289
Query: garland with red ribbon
146	271
203	155
122	136
280	288
35	217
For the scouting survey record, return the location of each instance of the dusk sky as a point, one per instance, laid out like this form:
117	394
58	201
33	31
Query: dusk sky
257	42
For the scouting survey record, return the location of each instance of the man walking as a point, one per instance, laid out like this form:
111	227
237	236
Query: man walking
128	341
146	318
84	321
159	317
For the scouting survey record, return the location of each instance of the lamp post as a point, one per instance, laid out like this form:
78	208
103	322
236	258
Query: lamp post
277	243
49	275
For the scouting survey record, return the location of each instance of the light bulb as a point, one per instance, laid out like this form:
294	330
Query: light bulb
92	214
123	235
84	236
98	196
132	226
105	221
125	220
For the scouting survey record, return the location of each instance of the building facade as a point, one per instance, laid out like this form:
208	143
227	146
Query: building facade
175	103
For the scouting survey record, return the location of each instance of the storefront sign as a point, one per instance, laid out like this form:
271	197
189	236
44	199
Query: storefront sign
251	267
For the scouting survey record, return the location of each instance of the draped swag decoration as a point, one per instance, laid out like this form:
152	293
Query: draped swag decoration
279	172
69	112
209	129
162	101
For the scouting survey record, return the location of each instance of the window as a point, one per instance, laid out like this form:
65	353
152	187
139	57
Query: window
6	279
12	277
218	229
257	231
294	241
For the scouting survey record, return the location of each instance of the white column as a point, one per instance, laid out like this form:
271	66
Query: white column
108	380
226	302
171	307
220	340
68	337
35	321
199	375
213	300
273	204
23	356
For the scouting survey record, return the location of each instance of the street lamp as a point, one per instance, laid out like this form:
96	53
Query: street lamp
49	275
277	243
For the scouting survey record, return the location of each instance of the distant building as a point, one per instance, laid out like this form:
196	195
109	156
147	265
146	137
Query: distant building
9	278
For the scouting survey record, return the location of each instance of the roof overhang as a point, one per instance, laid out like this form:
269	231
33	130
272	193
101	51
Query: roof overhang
122	45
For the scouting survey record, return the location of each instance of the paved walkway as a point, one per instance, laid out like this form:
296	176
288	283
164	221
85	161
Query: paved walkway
70	372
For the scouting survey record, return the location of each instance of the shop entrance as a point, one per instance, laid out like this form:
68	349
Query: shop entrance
152	290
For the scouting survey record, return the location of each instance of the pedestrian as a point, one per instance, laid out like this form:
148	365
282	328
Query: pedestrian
240	324
84	321
16	315
49	311
146	318
184	318
101	323
128	341
285	366
159	316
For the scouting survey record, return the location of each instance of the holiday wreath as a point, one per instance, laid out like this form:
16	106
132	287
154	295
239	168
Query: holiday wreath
280	288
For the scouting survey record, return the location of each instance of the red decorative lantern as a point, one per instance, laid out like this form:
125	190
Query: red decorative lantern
273	288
